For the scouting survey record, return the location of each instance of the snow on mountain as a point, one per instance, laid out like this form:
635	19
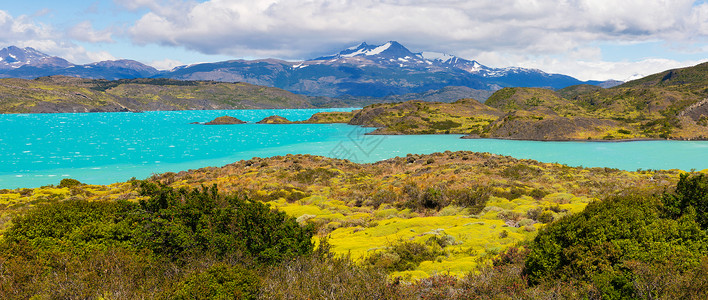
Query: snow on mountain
361	70
436	56
393	53
379	49
14	57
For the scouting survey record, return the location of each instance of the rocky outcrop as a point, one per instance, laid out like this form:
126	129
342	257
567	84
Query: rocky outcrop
696	111
225	120
274	120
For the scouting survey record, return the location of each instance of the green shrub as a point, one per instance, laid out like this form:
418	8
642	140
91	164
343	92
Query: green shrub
174	222
691	195
220	281
445	125
596	244
520	171
311	176
170	223
545	217
69	182
404	256
624	131
474	198
73	225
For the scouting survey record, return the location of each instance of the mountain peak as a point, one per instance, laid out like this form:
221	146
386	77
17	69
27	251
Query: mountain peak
390	49
14	57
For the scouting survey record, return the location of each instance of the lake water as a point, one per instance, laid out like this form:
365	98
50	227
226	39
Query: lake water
102	148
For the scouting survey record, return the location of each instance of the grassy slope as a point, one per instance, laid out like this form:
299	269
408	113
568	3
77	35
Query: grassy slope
416	117
672	104
66	94
366	208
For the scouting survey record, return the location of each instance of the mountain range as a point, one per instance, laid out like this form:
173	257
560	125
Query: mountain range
361	71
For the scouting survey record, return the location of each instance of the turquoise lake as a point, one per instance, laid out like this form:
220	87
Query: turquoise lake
102	148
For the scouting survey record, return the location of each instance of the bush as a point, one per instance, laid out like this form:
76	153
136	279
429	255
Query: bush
171	223
69	182
326	277
597	243
546	217
473	198
691	195
311	176
73	225
178	221
404	256
220	281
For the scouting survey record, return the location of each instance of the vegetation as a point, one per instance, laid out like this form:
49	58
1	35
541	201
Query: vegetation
445	225
673	104
68	94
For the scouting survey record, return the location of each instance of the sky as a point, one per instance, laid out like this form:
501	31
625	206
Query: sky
586	39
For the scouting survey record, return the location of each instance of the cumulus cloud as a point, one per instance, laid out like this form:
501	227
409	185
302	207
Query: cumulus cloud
297	27
166	64
23	31
84	32
21	28
598	69
518	28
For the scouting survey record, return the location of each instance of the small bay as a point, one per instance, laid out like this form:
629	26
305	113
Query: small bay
101	148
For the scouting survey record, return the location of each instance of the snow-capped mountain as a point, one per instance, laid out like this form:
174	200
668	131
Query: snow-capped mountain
390	50
29	63
372	70
394	54
13	57
362	70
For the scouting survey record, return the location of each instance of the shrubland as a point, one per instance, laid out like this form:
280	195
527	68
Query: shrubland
454	225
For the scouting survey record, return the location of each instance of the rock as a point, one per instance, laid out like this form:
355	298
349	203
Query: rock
524	125
274	120
225	120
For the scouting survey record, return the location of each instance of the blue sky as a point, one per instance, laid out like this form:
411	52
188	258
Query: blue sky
588	39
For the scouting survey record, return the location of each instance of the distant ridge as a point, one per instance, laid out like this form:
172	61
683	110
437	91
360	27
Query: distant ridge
363	70
28	63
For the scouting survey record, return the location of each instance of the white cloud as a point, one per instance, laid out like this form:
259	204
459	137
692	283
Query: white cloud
84	32
166	64
603	70
23	31
516	29
296	27
21	28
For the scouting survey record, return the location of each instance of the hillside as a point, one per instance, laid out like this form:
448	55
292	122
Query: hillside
445	94
416	117
669	105
69	94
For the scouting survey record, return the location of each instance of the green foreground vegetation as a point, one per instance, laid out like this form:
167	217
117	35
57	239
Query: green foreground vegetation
453	225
